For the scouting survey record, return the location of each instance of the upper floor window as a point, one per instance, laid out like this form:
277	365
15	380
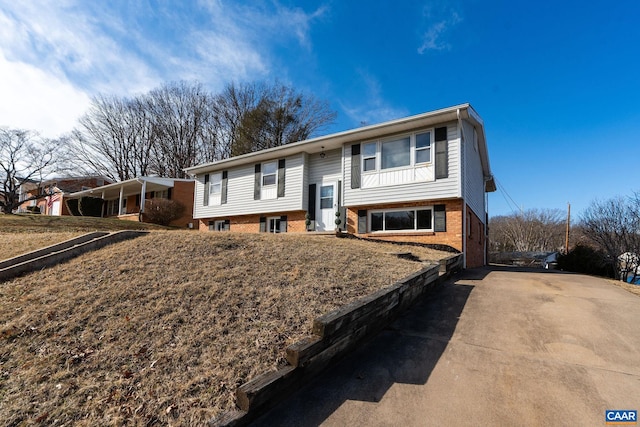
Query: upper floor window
399	152
269	173
369	156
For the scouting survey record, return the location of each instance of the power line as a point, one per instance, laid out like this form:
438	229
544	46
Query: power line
505	195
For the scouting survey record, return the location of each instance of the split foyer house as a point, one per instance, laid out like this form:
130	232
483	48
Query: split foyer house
423	178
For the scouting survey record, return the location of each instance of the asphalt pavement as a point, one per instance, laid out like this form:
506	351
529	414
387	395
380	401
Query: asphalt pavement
497	346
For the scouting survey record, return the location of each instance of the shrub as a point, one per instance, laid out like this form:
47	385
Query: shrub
584	259
90	206
72	206
162	211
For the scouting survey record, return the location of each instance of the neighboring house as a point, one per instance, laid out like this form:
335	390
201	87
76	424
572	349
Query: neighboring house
56	190
125	199
422	178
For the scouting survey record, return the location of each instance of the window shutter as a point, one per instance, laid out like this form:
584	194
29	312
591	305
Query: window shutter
205	198
439	218
263	224
137	200
362	221
227	225
169	193
312	202
256	184
442	155
223	191
283	224
281	171
355	166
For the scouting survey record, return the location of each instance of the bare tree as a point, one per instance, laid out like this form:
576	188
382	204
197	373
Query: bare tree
113	139
25	158
182	123
614	226
536	230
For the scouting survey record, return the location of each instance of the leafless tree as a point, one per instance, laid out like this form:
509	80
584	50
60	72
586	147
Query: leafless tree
113	139
537	230
183	127
614	226
25	158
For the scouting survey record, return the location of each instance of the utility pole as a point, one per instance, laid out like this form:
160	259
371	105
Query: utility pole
566	245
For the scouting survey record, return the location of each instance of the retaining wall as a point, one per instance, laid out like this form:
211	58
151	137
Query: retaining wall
334	335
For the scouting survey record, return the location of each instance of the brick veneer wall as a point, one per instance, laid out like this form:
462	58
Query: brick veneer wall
183	193
475	241
251	223
452	237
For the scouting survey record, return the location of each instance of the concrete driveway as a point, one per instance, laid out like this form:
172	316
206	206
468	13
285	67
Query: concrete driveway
496	346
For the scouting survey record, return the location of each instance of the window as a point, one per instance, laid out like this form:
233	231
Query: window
396	153
269	173
369	156
402	220
326	197
423	147
161	194
219	225
215	184
273	225
405	151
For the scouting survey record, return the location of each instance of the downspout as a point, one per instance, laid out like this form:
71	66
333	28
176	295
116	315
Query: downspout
464	202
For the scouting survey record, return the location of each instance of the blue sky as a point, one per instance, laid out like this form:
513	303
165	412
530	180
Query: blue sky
557	83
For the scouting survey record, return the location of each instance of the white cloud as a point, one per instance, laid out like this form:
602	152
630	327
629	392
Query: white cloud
373	108
35	100
434	38
61	53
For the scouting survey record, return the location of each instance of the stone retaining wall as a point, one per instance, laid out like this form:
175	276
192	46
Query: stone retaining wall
334	335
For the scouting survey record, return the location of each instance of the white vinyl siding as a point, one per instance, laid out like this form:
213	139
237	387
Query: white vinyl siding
327	169
473	180
240	186
406	184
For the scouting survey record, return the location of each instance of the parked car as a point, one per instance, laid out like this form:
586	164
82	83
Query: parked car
550	262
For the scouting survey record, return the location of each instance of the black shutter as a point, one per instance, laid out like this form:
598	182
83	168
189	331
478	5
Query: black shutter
281	163
137	200
223	192
312	202
169	193
362	221
227	225
442	155
263	224
283	224
256	184
205	198
439	218
355	166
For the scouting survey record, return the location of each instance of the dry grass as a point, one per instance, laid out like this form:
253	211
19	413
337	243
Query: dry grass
13	244
163	328
24	233
634	289
58	224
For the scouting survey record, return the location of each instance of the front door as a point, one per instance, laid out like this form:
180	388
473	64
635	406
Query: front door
327	204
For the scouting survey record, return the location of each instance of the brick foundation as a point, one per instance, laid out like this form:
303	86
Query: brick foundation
251	223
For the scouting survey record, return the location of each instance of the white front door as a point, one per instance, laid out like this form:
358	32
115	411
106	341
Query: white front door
327	205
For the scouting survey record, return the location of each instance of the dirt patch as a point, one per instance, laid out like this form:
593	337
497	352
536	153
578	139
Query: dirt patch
162	329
